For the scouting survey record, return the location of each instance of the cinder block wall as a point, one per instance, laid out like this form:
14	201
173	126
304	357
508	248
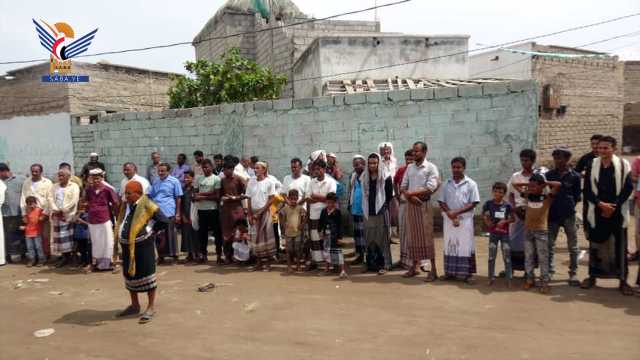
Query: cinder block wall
488	125
592	91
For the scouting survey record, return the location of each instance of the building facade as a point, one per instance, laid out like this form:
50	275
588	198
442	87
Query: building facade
35	117
579	97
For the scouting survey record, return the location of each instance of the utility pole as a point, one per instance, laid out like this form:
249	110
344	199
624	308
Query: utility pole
375	11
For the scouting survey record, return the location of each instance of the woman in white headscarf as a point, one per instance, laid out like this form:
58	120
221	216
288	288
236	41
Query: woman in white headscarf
390	166
377	191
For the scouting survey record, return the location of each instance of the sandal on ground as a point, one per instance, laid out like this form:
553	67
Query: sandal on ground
625	289
343	275
146	317
545	288
266	268
254	268
431	278
206	287
588	283
382	272
129	311
116	269
470	280
410	273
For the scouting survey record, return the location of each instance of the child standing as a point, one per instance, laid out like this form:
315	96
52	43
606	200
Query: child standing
497	215
536	226
33	233
81	236
292	218
330	226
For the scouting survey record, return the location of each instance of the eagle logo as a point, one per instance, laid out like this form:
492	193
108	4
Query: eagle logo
59	42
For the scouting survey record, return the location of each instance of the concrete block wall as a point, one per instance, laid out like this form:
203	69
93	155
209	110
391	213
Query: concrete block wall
592	90
488	128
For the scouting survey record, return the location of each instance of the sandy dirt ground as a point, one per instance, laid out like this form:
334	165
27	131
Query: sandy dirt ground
307	316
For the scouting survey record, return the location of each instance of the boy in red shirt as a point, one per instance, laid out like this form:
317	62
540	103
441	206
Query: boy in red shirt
32	232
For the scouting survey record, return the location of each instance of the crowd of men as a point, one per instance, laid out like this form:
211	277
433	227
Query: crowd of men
257	220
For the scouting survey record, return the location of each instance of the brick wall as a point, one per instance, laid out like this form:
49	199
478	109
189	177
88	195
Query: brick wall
110	89
487	124
592	92
26	95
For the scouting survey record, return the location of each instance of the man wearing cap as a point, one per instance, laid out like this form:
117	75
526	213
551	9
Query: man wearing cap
11	214
563	210
92	164
134	233
102	203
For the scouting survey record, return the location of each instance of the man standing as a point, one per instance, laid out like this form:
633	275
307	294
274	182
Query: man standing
39	187
92	164
130	171
102	204
196	166
152	170
402	208
260	194
563	210
3	189
355	206
232	215
243	168
584	163
296	180
74	179
138	251
635	177
166	192
420	181
320	186
181	168
607	189
207	195
62	205
218	162
12	219
458	198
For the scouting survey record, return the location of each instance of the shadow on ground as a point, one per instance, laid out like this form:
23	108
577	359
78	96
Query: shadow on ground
89	317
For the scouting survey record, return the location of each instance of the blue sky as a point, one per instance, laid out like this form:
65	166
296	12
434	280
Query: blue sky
135	23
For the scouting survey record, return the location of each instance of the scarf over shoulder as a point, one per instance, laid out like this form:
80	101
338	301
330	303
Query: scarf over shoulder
621	171
145	209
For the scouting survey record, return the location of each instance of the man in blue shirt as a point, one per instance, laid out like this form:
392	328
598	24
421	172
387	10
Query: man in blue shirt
563	210
355	206
166	192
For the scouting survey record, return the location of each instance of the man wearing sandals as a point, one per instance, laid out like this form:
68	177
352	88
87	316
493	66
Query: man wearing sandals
608	187
420	181
136	222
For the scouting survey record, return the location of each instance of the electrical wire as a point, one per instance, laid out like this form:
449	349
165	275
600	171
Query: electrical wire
223	37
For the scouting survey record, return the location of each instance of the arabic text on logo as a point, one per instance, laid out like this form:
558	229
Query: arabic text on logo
62	44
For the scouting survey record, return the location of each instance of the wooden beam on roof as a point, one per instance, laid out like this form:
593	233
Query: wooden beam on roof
359	87
371	84
347	86
411	84
443	83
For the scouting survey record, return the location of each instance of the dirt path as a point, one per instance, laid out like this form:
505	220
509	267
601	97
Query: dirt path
273	316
